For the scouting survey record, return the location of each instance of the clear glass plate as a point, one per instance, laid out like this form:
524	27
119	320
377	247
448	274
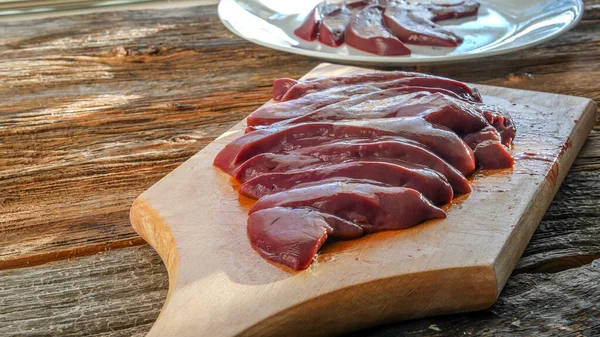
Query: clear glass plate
500	27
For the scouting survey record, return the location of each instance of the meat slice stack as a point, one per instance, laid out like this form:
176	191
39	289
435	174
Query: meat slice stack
383	26
349	155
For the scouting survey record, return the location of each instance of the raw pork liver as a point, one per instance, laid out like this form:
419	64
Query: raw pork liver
382	27
414	79
439	139
436	108
303	218
412	26
384	148
367	32
350	155
431	184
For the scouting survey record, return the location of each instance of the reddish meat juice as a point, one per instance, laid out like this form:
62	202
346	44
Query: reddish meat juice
341	157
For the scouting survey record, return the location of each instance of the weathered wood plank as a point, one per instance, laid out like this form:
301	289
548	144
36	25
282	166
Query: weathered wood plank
560	304
568	235
84	130
119	293
97	108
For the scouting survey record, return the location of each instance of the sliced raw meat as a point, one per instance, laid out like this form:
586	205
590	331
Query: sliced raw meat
410	79
490	154
415	27
309	30
501	120
436	108
272	113
332	30
452	11
431	184
292	237
367	32
439	139
281	86
345	96
368	28
374	208
328	22
392	148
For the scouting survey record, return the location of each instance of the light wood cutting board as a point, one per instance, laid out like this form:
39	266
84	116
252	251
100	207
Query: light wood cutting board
219	286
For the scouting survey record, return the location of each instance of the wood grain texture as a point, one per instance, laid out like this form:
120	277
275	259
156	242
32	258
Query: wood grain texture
93	116
111	294
561	304
220	286
98	107
119	294
46	66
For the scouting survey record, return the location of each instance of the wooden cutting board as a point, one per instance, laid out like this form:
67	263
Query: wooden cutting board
219	286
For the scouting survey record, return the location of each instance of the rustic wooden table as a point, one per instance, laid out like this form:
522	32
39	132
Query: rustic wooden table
96	108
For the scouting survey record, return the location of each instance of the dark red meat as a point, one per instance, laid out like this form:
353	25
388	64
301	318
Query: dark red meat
345	96
408	79
415	27
382	26
390	149
281	86
345	210
439	139
332	31
272	113
367	32
490	153
349	155
437	108
502	121
292	237
452	11
309	30
374	208
431	184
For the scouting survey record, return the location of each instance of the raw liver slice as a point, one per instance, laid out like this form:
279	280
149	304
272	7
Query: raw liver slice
309	30
490	153
275	112
436	108
392	148
412	26
374	208
345	96
452	11
430	183
366	32
332	31
439	139
501	120
415	79
281	86
292	237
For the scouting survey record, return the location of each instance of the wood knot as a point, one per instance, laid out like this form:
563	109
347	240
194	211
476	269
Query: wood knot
122	51
520	77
